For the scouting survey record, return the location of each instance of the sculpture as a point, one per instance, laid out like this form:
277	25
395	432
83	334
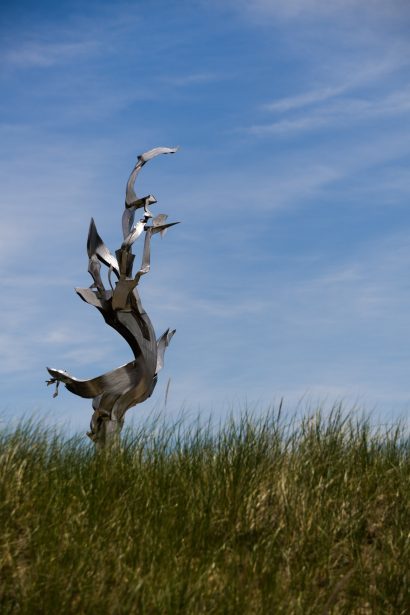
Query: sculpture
114	392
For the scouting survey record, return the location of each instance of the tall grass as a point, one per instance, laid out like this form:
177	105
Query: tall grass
258	517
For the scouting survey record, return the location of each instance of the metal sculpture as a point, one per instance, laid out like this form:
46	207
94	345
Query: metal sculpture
114	392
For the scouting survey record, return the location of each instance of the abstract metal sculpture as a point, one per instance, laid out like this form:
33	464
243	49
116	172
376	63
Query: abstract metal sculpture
116	391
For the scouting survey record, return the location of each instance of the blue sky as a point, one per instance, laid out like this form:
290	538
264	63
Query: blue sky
290	273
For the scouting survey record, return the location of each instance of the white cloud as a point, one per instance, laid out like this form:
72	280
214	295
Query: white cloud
289	127
58	335
307	98
302	9
44	43
189	79
276	185
45	54
366	288
342	112
345	78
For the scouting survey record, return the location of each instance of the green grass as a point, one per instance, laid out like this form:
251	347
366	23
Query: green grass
258	517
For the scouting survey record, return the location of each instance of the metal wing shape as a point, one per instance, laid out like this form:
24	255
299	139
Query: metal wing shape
162	344
130	196
129	212
95	245
94	268
156	151
133	235
161	228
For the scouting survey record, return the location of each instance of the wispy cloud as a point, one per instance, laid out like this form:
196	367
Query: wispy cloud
349	78
189	79
289	127
297	9
364	291
347	110
305	99
363	76
45	43
45	54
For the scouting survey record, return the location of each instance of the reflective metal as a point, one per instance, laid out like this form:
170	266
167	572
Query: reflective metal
114	392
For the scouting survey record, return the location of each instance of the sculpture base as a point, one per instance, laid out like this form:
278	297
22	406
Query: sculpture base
105	432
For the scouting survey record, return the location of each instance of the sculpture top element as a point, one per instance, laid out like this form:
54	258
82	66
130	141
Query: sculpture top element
114	392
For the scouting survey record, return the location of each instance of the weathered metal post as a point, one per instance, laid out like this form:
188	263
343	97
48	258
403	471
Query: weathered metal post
116	391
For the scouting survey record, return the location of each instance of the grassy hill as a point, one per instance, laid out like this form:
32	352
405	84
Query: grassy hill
258	517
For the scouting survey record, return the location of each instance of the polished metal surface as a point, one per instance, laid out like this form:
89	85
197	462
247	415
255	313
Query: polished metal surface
114	392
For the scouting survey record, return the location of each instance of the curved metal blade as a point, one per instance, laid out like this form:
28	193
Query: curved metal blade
94	268
113	382
146	254
161	228
156	151
162	344
127	221
144	201
130	196
95	245
133	235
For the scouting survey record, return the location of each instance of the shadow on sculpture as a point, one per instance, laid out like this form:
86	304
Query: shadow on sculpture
116	391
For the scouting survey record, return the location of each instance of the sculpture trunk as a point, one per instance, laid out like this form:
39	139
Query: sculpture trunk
108	436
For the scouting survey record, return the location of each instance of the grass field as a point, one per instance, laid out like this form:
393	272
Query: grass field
261	516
